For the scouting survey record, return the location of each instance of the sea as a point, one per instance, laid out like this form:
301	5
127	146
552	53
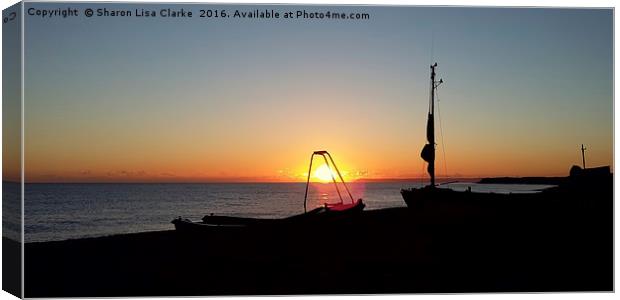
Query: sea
64	211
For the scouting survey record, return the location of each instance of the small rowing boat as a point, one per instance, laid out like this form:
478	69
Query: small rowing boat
327	211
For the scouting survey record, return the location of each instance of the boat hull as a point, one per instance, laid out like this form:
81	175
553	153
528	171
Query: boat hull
318	215
186	225
443	200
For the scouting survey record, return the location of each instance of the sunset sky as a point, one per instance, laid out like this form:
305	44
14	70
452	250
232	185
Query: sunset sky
131	99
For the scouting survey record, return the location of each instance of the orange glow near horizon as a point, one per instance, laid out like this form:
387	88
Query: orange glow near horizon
291	165
324	173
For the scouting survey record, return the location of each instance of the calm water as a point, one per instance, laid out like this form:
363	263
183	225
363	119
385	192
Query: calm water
66	211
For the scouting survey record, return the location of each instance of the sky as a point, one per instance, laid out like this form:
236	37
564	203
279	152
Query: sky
197	99
11	103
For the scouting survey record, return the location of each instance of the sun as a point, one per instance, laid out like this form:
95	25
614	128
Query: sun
324	173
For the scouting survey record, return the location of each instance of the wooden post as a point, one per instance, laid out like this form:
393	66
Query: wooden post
583	156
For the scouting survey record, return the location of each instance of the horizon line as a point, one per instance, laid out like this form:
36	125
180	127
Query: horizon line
364	180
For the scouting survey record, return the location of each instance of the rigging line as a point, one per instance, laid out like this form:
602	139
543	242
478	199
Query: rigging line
443	145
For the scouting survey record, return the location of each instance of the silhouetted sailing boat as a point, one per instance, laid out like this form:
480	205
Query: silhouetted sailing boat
416	196
432	195
327	211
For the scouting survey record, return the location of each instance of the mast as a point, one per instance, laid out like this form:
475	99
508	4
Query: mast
428	152
431	121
